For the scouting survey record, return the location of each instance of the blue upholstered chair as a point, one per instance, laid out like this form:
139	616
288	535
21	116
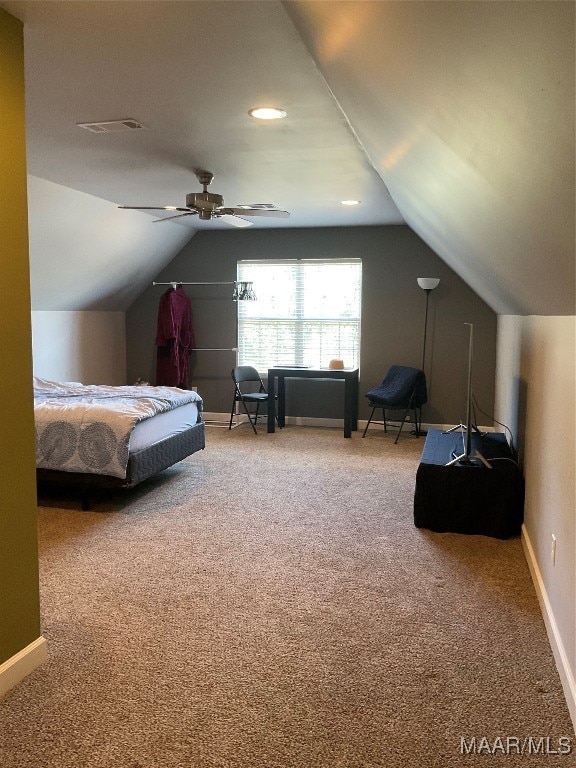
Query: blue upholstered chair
402	389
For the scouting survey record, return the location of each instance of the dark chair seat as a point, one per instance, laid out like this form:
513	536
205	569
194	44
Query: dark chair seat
402	389
255	397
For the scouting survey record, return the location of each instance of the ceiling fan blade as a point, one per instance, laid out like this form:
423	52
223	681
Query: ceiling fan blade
265	206
152	208
178	216
208	206
273	212
235	221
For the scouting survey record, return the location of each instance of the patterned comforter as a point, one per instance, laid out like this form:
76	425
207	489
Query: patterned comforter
87	428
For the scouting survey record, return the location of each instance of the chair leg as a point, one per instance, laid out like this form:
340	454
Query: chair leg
368	423
247	412
249	418
401	425
418	421
232	413
384	419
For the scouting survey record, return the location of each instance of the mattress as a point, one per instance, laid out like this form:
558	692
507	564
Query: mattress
96	428
141	465
163	425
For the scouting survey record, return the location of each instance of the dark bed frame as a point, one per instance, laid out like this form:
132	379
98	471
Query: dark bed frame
141	465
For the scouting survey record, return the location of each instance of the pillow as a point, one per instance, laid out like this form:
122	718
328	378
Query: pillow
48	384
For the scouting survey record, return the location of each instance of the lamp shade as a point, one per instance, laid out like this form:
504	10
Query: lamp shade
428	283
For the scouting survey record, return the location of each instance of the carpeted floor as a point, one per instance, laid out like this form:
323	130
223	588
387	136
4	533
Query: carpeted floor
268	603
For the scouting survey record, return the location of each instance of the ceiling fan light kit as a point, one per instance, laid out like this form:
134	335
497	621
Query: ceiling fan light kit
207	206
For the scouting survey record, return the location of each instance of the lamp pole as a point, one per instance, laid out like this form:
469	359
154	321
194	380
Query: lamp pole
427	290
427	284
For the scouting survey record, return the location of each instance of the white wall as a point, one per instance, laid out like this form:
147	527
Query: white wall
80	346
86	254
535	395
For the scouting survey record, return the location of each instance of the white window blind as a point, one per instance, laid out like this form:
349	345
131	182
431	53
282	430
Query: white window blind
307	312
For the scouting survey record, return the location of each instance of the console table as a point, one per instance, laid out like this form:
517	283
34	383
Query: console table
469	499
349	375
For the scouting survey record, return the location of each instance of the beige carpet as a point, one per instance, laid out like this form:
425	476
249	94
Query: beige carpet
268	603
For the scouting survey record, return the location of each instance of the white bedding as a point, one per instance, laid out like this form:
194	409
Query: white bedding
93	428
166	424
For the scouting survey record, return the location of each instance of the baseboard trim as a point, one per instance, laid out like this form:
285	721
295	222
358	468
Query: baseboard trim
223	419
19	666
310	421
558	650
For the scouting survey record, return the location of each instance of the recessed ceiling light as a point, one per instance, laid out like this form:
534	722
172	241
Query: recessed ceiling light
349	202
267	113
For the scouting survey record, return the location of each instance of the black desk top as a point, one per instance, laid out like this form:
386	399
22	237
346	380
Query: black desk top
305	372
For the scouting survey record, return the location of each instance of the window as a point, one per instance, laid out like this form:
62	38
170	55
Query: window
307	312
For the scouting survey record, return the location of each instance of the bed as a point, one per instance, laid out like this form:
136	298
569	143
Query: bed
112	437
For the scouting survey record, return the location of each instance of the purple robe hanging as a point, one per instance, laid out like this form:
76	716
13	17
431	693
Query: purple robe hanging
174	338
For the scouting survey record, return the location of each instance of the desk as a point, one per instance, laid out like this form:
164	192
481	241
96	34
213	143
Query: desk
469	499
348	375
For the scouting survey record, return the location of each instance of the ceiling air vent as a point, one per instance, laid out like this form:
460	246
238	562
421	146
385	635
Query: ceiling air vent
112	126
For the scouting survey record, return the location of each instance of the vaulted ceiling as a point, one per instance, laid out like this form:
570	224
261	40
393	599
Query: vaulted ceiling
456	118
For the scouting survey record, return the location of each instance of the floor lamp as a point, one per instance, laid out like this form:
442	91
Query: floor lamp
427	284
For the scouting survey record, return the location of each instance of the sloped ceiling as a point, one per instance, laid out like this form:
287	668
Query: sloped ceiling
455	117
466	110
83	255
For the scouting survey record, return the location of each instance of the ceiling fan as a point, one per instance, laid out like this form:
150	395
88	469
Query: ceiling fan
207	206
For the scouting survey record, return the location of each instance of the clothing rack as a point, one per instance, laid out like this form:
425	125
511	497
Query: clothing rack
206	349
243	290
174	285
215	349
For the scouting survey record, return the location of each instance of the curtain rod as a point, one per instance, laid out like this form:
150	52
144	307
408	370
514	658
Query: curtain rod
243	290
179	282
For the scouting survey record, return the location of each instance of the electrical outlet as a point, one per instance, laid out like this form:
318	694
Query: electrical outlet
553	550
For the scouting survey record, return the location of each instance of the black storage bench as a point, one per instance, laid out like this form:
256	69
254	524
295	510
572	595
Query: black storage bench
469	499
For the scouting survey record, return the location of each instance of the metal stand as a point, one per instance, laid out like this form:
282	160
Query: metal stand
470	457
236	297
462	427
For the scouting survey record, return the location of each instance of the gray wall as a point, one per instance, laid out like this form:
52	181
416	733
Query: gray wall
393	309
